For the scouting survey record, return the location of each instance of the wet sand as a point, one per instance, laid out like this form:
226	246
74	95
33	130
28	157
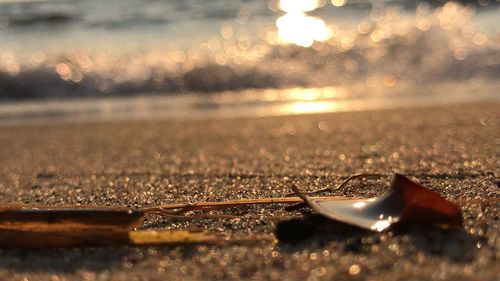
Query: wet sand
453	149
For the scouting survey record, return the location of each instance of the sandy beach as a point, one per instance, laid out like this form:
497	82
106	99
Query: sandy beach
451	149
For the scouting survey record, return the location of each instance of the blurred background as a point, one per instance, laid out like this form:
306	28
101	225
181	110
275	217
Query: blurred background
89	59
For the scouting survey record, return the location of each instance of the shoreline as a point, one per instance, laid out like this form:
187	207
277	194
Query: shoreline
240	104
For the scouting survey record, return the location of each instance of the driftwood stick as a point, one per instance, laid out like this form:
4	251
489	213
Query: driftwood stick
182	237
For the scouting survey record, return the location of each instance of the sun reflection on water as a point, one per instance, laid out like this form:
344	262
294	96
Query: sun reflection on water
308	107
312	100
297	27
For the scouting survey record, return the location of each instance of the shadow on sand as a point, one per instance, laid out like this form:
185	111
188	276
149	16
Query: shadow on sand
315	231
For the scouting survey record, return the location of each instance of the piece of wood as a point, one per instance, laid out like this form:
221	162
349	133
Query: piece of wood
69	219
167	237
89	238
66	227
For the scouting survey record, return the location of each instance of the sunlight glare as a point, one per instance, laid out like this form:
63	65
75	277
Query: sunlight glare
338	3
381	225
359	205
298	28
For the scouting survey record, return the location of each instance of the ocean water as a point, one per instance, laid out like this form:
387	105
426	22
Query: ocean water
246	52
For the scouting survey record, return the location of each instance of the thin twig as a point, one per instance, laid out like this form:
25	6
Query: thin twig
180	208
342	184
225	217
301	205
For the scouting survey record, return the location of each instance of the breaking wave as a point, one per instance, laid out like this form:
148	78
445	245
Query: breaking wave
390	48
